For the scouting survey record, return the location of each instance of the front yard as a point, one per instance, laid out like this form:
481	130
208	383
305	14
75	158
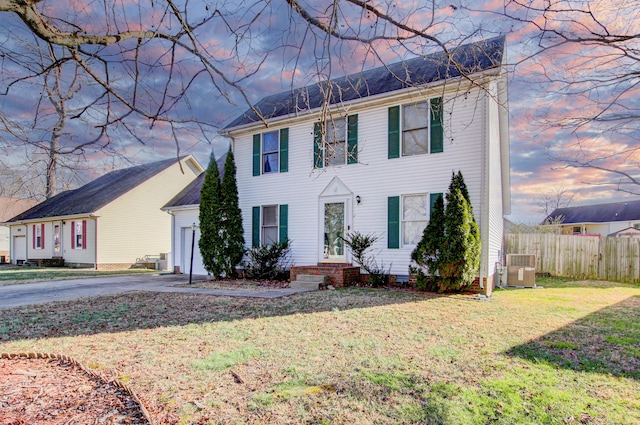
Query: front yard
566	354
10	275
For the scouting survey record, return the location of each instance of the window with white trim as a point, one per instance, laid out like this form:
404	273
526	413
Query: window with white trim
270	152
415	129
415	215
38	236
335	140
269	232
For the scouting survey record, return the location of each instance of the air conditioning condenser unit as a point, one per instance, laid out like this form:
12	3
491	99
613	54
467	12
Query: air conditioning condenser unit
521	271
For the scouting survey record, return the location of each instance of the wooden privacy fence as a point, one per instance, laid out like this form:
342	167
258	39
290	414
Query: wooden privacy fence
577	256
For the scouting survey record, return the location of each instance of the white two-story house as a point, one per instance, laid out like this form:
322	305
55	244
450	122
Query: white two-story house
371	152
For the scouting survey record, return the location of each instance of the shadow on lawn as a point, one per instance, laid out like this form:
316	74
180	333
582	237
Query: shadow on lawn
607	341
148	310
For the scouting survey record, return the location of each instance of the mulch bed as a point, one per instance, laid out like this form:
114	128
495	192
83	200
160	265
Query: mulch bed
48	389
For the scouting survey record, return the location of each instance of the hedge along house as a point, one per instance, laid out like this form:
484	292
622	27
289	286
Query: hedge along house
184	209
107	224
377	159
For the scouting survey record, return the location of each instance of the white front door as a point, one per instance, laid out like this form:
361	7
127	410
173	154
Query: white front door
57	239
335	222
334	231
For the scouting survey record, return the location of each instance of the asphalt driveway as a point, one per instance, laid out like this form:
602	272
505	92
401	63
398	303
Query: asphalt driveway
61	290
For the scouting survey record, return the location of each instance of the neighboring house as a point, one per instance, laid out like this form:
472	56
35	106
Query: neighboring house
10	207
109	223
185	222
378	159
600	219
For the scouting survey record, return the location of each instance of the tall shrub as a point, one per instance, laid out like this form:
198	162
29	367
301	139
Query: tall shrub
232	238
427	252
457	260
210	242
450	246
474	240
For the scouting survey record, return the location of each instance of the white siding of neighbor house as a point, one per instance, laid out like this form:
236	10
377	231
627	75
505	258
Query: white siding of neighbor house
375	177
85	256
134	225
71	255
182	222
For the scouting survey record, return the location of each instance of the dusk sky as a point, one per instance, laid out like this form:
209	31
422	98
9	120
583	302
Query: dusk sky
279	51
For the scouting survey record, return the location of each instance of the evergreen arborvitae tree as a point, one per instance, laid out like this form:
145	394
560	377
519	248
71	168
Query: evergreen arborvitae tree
231	219
457	181
427	252
450	245
455	252
210	220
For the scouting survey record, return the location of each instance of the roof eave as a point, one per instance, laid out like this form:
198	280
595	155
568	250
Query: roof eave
478	78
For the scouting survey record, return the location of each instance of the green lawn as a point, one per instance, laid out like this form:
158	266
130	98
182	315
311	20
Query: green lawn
566	354
10	275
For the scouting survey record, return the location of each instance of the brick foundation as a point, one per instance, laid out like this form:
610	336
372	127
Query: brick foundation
340	274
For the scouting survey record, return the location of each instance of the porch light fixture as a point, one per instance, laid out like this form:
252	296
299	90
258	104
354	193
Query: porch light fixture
358	199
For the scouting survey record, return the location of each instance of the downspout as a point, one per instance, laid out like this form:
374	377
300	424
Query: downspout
95	242
170	262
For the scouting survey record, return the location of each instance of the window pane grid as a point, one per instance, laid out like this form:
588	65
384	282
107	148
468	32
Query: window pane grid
269	225
335	142
415	129
414	218
270	151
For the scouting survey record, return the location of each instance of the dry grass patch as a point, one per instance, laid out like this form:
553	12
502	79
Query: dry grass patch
237	284
12	275
355	356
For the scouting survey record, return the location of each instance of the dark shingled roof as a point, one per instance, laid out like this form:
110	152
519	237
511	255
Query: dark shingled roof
96	194
190	195
600	213
467	59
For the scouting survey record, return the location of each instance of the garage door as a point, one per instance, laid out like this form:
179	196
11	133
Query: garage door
19	252
198	267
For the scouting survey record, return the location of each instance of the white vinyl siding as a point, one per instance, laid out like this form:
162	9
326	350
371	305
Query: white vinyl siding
374	178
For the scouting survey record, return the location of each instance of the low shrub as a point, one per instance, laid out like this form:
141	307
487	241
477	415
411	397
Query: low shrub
271	262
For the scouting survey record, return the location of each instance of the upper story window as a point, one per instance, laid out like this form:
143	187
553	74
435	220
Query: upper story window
336	143
271	152
335	152
415	129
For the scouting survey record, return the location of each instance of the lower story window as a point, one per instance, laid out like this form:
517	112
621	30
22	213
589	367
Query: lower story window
415	215
269	225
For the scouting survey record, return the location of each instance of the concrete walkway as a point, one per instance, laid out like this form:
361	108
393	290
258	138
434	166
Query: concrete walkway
61	290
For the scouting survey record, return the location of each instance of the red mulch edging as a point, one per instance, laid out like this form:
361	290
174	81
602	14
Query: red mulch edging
56	389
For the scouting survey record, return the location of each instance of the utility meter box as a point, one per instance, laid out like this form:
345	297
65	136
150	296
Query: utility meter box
521	271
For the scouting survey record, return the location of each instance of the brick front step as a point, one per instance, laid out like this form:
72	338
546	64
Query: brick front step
309	281
338	275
